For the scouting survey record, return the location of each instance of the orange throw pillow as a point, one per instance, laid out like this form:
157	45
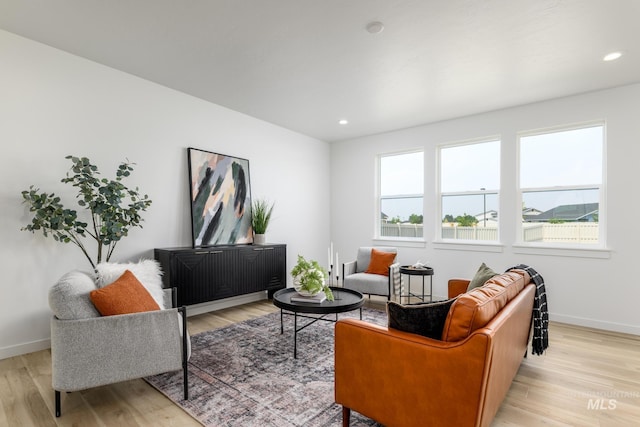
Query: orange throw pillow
380	262
125	295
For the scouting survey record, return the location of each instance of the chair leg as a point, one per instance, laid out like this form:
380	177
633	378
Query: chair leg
58	411
185	375
185	365
346	416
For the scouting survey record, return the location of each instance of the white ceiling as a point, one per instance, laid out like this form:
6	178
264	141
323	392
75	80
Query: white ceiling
305	64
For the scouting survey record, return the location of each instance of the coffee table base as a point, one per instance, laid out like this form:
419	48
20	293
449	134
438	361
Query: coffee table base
344	300
295	324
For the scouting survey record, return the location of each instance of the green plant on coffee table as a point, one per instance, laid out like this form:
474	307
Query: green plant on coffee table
113	209
261	215
309	276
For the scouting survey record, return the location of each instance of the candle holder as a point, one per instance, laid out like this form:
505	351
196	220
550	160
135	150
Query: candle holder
330	274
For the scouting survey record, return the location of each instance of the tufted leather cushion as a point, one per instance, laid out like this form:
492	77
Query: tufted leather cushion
483	274
474	309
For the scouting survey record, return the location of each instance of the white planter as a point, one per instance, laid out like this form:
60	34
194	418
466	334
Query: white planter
259	239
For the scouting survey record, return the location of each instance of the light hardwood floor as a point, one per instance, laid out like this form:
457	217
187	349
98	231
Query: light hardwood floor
586	378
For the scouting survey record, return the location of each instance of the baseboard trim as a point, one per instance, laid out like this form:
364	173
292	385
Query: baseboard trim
595	324
194	310
20	349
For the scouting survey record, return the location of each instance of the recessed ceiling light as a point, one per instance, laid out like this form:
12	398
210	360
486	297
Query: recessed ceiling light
612	56
343	122
375	27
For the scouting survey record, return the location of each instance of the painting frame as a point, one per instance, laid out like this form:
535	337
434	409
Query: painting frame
219	199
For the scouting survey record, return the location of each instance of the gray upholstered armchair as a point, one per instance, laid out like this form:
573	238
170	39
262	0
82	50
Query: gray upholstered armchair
89	350
355	277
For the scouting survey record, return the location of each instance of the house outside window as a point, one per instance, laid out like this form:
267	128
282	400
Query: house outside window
469	189
400	195
561	176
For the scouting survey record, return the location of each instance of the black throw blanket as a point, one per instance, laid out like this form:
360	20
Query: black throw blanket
540	340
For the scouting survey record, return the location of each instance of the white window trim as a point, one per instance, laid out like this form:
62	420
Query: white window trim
403	242
558	249
377	224
459	244
468	245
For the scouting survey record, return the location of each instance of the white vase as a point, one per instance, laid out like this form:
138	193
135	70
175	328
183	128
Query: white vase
259	239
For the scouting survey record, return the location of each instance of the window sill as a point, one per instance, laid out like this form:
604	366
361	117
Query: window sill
399	242
577	252
468	245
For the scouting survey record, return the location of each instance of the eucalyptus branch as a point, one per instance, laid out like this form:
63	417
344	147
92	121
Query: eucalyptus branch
112	247
106	200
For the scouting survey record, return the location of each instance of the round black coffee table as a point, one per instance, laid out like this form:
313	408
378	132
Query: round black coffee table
344	300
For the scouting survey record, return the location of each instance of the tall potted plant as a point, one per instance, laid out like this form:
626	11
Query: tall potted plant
113	209
260	217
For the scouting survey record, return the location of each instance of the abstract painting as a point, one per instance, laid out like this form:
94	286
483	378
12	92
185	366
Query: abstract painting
220	199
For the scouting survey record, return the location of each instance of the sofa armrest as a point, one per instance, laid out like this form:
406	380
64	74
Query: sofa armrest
91	352
385	373
457	287
348	268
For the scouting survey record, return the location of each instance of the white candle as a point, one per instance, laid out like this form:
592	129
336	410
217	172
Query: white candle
331	252
329	258
337	266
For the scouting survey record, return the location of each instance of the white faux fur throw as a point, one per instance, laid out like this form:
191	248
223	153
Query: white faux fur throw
147	271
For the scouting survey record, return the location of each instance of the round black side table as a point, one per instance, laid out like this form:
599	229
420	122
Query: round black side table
417	271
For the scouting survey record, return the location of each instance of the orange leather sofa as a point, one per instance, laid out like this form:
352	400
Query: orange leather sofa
402	379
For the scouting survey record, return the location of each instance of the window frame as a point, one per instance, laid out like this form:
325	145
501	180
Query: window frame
526	247
379	197
487	191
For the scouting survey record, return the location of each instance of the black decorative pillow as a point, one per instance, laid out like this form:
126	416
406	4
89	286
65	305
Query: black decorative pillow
426	319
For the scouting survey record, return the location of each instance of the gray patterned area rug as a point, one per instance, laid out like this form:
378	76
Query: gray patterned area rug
245	375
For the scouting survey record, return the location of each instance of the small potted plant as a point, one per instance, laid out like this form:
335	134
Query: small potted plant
260	217
309	278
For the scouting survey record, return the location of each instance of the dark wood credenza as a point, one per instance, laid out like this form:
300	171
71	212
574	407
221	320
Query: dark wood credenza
209	274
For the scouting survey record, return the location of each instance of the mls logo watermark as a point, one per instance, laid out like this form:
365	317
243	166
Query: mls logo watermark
602	404
606	400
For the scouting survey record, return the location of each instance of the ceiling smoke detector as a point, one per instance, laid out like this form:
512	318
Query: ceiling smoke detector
375	27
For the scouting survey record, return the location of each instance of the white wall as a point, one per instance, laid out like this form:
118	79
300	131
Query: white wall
53	104
597	289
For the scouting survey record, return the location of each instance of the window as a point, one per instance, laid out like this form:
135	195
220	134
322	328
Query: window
561	185
401	194
469	185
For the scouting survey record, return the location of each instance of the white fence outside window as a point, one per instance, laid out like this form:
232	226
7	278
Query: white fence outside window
469	233
389	229
568	232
